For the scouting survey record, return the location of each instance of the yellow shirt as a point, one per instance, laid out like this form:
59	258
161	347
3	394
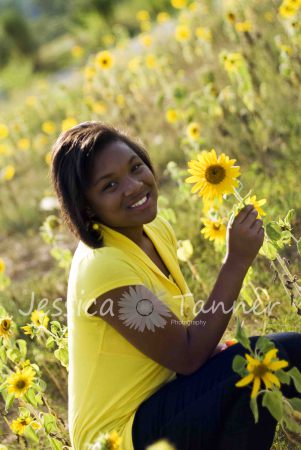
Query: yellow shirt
109	377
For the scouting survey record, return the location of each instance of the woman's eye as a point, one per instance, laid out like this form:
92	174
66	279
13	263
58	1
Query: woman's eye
137	165
108	185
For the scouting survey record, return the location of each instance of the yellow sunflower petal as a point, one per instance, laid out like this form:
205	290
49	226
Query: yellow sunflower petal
272	378
244	381
256	387
277	365
269	356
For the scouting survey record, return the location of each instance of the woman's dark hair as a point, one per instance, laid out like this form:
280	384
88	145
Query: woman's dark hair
71	159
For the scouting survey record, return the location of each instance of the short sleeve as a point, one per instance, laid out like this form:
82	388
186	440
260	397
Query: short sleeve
101	271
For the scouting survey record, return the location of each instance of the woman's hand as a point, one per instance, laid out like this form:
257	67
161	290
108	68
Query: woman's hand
245	236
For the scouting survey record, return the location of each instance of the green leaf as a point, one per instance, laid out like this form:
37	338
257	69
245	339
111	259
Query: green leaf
21	344
286	237
29	433
269	250
296	376
50	423
30	396
239	364
9	400
3	356
62	355
289	217
254	408
263	344
273	401
273	231
241	336
50	343
295	402
55	443
283	376
24	411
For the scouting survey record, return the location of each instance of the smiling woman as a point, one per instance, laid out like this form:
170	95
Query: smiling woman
138	361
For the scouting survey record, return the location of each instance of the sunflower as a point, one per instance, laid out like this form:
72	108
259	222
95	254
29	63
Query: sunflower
261	370
172	116
8	172
193	131
214	229
39	318
114	441
243	27
182	33
2	266
28	330
214	176
104	60
68	123
3	131
49	127
233	61
257	205
20	381
179	4
18	426
6	327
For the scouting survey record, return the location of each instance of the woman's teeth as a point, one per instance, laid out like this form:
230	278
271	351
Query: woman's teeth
143	200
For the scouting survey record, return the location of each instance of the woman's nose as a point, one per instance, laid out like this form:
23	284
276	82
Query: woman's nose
132	186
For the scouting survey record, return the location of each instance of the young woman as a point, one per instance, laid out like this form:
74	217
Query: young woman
138	363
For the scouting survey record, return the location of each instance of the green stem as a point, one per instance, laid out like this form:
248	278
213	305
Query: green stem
237	195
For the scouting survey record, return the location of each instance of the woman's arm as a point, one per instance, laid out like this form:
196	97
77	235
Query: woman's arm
184	349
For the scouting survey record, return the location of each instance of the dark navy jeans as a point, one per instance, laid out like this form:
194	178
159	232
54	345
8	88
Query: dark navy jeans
205	410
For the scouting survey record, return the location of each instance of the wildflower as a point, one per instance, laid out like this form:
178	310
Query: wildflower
287	10
182	33
162	17
4	150
142	15
28	330
203	33
99	107
108	441
146	40
68	123
48	158
20	381
89	73
151	61
23	144
179	4
77	51
193	131
2	266
3	131
214	176
31	100
261	370
120	100
6	327
134	63
39	318
18	426
145	26
233	61
185	250
214	229
49	127
108	39
231	17
257	205
104	60
172	115
243	26
8	172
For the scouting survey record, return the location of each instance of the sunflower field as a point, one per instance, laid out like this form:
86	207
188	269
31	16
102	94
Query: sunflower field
213	93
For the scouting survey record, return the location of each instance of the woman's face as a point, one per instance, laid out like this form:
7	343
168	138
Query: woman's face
120	179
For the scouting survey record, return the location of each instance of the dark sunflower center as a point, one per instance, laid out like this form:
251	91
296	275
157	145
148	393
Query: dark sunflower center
6	325
216	226
23	422
260	370
105	61
215	174
21	384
